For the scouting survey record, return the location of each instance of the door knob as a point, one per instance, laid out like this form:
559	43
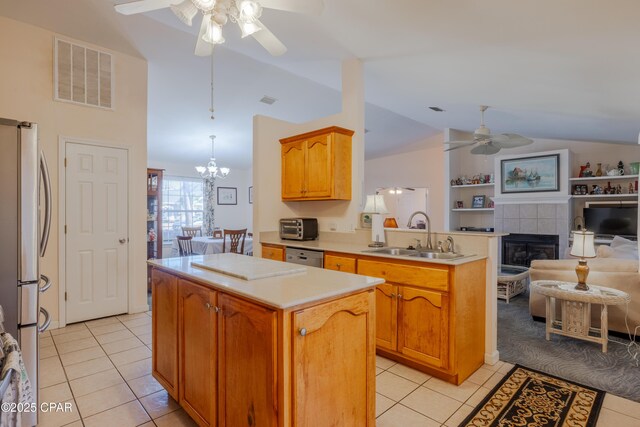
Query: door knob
122	241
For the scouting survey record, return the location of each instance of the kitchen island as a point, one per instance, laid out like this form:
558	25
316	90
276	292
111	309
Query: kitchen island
290	347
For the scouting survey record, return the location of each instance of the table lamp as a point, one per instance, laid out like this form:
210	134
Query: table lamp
583	247
375	206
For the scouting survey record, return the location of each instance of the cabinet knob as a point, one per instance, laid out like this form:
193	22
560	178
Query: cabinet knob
399	296
208	306
338	265
393	295
303	331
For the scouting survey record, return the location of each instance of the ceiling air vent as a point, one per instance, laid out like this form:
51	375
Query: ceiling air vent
268	100
82	75
436	109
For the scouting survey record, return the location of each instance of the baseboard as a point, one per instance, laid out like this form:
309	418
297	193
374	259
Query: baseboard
139	309
53	325
492	358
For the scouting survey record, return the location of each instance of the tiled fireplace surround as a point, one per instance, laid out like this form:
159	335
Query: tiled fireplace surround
534	218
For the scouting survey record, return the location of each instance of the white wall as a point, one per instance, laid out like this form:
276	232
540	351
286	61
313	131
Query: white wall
420	168
26	93
227	216
268	206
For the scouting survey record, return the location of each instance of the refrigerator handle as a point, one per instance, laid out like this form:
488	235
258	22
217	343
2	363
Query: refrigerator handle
47	320
47	283
47	200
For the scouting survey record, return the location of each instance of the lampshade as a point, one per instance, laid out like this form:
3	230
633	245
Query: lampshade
583	244
185	11
205	5
390	223
213	34
375	205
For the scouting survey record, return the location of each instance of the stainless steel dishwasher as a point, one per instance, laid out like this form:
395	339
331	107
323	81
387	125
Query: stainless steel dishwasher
305	257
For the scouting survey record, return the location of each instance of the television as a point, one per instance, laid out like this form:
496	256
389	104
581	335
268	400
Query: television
614	221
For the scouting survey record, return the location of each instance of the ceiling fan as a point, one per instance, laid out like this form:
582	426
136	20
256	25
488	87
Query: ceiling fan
216	13
487	143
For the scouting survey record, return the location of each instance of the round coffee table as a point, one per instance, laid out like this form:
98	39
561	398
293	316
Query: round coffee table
575	307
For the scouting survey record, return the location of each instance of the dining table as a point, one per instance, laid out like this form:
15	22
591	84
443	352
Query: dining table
206	245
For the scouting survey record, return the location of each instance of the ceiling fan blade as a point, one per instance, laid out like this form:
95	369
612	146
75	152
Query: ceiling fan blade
485	149
142	6
202	47
310	7
466	142
455	147
269	41
513	140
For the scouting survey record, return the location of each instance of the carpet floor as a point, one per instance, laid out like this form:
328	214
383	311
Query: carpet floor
521	340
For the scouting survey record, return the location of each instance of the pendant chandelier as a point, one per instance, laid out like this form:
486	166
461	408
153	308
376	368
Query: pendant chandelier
212	171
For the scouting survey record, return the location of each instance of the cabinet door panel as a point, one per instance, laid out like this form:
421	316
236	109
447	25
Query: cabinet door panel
335	340
386	316
423	332
293	161
198	322
247	338
165	330
319	178
273	252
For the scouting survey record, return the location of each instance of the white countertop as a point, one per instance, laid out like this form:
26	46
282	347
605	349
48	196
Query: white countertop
279	292
362	250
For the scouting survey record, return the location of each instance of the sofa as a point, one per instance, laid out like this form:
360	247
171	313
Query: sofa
614	273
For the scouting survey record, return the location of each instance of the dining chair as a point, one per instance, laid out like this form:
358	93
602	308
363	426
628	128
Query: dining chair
236	239
192	231
184	245
217	234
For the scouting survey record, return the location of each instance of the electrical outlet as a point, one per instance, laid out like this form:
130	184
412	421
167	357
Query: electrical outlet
333	226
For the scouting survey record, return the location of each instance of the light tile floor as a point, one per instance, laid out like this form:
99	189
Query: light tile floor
103	368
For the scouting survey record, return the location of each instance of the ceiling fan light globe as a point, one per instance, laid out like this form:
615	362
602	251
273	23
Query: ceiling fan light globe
185	11
249	10
205	5
249	28
213	34
220	18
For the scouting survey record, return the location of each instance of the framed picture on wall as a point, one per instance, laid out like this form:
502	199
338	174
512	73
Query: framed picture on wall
227	196
530	174
251	194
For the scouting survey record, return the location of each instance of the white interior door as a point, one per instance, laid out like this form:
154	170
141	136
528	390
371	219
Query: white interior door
97	232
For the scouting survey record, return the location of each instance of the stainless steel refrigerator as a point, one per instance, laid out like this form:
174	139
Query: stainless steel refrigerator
24	232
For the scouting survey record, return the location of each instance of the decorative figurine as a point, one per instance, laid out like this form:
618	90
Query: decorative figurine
599	170
621	167
587	171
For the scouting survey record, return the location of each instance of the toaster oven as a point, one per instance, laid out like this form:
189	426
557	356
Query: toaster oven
299	228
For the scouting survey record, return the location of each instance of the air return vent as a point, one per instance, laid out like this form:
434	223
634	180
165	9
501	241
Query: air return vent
83	75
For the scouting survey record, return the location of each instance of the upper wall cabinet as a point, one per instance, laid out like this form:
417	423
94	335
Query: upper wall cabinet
317	165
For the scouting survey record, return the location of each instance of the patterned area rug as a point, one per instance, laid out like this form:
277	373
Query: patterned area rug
526	397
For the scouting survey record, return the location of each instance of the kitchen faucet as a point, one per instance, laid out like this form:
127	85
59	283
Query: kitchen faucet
429	245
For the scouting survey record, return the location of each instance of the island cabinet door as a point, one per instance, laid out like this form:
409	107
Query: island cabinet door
247	365
197	314
293	170
319	174
423	332
333	363
387	316
165	330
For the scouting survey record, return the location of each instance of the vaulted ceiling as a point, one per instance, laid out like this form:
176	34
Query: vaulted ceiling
549	69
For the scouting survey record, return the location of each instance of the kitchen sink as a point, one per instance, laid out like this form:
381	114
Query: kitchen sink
393	251
438	255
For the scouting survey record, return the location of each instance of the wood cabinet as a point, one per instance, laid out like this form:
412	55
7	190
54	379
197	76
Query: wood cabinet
198	320
430	316
230	361
248	363
273	252
164	328
336	331
317	165
346	264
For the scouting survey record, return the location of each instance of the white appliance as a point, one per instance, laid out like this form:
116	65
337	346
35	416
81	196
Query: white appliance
24	240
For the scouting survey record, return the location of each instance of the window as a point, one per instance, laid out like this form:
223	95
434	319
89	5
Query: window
182	205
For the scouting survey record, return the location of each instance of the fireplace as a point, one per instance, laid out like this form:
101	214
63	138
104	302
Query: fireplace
521	249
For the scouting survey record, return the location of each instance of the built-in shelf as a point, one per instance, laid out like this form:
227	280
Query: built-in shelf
604	196
473	185
603	178
473	210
